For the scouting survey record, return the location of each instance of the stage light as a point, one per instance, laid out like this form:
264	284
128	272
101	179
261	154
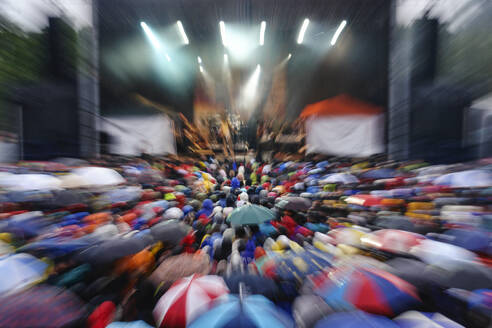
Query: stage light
338	32
199	60
151	36
182	32
201	69
289	56
302	31
223	33
168	58
262	33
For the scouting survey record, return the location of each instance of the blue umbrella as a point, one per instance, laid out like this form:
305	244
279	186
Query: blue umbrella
20	271
473	240
355	319
55	247
249	311
379	174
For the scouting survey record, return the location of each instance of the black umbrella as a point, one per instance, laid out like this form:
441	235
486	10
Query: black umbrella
254	285
169	232
115	249
295	204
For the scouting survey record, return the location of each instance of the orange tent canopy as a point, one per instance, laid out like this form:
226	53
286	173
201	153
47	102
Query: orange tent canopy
340	105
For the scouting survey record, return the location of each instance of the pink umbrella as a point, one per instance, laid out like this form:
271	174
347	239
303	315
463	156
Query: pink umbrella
392	240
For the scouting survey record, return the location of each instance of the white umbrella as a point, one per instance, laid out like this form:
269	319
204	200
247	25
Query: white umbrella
71	181
99	176
443	255
28	182
466	179
20	271
344	178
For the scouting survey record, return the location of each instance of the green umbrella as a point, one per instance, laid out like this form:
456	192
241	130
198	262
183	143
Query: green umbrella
250	214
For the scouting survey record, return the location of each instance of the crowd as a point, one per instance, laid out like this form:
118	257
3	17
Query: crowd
182	242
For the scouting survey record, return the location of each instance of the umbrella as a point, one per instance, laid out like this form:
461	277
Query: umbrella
186	299
295	204
253	284
27	182
114	249
473	240
41	306
99	176
20	271
180	266
399	222
469	277
71	181
309	309
169	232
343	178
411	319
392	240
250	311
443	255
55	247
250	214
379	174
465	179
364	200
348	236
355	319
368	289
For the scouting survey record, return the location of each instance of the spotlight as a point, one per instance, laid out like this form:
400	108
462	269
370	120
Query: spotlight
262	33
223	33
338	32
182	32
302	31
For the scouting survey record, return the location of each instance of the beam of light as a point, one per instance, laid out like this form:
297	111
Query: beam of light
289	56
304	27
182	32
249	95
338	32
167	57
223	33
199	60
201	69
262	33
226	59
151	36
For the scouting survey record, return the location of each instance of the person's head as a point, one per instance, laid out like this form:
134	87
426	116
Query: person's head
240	232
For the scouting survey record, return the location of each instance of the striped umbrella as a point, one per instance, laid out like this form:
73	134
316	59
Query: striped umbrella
368	289
186	299
249	311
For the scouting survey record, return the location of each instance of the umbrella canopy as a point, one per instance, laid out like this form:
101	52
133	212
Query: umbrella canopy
250	214
294	204
253	284
250	311
392	240
364	200
377	174
348	236
424	319
355	319
20	271
27	182
99	176
41	306
309	309
368	289
466	179
342	178
114	249
443	255
71	181
186	299
169	232
180	266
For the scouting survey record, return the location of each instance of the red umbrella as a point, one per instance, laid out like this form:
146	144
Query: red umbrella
188	298
392	240
364	200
